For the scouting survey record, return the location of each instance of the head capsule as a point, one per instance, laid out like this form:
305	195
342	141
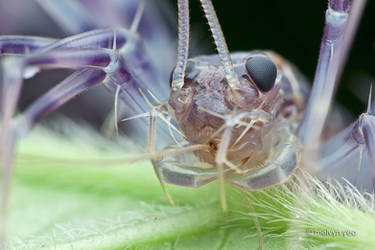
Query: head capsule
204	103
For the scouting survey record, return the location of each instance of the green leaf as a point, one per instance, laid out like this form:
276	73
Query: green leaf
60	202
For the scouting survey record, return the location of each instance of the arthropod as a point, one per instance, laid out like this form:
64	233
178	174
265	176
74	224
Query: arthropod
240	117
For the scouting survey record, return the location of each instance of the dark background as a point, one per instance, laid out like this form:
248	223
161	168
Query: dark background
292	28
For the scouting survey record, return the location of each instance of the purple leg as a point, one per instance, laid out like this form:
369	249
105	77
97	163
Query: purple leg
326	72
11	83
56	97
129	46
124	69
351	154
128	54
72	86
22	44
339	31
367	124
102	38
154	27
6	176
146	65
13	70
72	58
80	16
90	40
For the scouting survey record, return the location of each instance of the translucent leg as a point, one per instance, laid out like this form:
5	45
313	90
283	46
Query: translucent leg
53	99
22	44
326	73
351	153
103	62
343	154
13	70
338	33
73	58
154	26
129	87
56	97
6	178
80	16
102	38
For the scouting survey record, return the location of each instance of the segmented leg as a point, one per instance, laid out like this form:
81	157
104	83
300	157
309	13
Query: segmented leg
13	70
102	38
47	56
342	155
26	45
113	66
326	73
351	153
56	97
339	31
143	75
80	16
10	45
69	88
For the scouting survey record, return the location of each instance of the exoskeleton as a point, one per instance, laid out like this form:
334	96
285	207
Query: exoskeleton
245	117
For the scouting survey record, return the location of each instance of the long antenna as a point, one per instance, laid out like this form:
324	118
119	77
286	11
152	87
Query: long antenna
221	45
183	44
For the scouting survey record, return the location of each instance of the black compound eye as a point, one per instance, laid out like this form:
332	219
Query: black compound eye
262	71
